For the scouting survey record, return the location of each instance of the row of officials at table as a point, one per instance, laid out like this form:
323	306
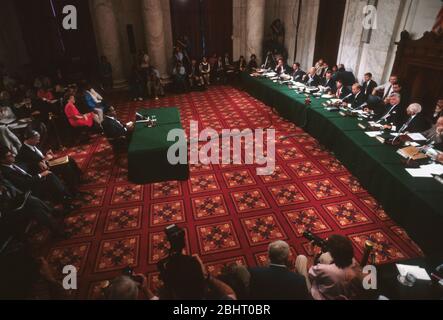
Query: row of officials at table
387	104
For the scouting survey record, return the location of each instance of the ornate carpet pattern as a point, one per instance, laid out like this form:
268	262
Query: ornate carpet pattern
230	214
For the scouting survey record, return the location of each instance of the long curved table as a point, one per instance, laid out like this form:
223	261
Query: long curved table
414	203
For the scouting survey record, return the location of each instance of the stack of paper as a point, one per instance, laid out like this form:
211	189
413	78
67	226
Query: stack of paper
426	171
416	271
417	137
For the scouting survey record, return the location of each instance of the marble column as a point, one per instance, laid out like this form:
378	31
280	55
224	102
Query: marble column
108	37
154	33
255	24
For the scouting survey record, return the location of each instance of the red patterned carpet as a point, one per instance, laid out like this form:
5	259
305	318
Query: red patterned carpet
230	214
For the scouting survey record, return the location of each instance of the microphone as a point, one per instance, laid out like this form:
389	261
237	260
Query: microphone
346	97
139	116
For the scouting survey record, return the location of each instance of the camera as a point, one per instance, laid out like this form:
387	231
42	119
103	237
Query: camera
319	242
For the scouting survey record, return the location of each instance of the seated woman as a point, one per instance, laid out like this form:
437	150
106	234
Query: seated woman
75	118
95	102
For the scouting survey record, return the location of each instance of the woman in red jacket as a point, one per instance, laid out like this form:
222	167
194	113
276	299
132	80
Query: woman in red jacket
75	118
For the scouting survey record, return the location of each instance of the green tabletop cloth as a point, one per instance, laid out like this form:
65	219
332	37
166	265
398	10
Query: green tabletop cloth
147	153
414	203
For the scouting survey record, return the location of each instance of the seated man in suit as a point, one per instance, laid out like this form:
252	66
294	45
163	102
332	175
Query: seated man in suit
14	203
37	162
114	129
368	85
387	88
311	79
297	74
44	185
341	92
335	275
281	67
358	98
435	135
347	77
394	115
277	281
328	83
415	121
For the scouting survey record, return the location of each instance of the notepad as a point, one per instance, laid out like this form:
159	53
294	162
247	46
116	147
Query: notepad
417	137
416	271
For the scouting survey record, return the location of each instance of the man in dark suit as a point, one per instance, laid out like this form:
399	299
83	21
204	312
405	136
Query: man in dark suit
14	204
276	282
368	85
342	92
312	79
347	77
415	121
36	161
113	128
435	134
328	82
44	185
297	73
358	98
394	114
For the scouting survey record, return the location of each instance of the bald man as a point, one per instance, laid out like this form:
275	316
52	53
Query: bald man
312	79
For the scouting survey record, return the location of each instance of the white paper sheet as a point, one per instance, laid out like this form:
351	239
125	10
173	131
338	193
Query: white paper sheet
417	137
373	134
416	271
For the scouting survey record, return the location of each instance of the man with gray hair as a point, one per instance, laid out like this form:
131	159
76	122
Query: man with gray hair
127	288
415	122
394	114
276	281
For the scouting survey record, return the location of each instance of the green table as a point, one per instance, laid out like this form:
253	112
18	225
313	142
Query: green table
147	153
414	203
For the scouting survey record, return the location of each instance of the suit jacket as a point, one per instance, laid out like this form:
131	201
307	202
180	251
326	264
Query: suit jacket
277	283
343	93
30	159
394	115
416	124
112	128
347	77
24	182
298	75
329	84
9	139
368	88
314	82
357	100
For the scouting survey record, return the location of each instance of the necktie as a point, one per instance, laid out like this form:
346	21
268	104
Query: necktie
406	125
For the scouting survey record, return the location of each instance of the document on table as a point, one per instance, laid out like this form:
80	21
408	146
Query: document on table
426	171
416	271
373	134
417	136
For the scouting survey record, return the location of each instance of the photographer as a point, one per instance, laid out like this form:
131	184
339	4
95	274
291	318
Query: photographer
185	277
335	274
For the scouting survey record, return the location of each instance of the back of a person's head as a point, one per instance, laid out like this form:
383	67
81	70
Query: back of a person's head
278	252
341	250
238	278
184	278
122	288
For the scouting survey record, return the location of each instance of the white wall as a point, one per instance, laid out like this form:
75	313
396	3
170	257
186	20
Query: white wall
393	16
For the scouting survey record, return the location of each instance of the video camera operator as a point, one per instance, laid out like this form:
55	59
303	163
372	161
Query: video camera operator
185	277
335	274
